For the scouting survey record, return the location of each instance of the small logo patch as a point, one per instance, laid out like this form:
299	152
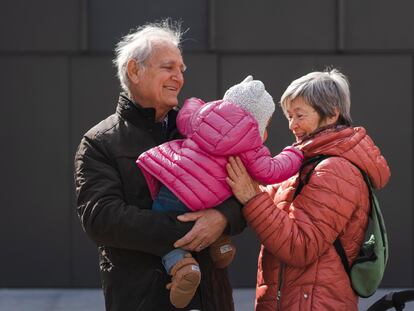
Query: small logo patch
225	248
195	268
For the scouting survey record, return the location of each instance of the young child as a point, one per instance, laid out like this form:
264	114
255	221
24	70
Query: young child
190	174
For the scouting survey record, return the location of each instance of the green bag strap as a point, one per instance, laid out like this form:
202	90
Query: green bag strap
377	222
376	215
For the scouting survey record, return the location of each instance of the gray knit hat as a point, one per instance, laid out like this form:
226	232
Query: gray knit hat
251	95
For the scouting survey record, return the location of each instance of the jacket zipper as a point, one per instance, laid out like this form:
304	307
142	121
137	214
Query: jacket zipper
279	286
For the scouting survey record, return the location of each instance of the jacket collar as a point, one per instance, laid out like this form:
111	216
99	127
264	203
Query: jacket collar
320	131
352	144
139	116
134	112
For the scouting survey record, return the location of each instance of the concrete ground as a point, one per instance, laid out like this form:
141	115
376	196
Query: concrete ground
92	300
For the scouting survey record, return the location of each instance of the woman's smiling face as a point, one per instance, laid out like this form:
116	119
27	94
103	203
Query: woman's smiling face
303	119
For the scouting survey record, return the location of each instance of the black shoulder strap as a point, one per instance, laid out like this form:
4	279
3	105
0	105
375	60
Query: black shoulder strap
304	180
341	252
338	245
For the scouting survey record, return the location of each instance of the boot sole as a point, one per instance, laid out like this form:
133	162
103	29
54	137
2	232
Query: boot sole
182	294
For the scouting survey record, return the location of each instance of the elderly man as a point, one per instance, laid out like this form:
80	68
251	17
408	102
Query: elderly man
114	203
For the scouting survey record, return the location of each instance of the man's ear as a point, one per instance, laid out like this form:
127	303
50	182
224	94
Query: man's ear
133	71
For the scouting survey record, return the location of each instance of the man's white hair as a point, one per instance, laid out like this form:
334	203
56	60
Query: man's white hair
139	45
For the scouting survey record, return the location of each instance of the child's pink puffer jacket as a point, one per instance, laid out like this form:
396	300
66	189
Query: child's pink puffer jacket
194	168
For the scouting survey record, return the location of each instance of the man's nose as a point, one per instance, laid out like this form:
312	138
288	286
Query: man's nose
178	76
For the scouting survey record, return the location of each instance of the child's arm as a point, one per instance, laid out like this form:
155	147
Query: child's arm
184	115
267	170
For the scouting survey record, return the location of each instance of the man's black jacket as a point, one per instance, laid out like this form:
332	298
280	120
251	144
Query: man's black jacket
114	206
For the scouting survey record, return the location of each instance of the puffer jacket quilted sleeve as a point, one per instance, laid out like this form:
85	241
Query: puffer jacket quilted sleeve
270	170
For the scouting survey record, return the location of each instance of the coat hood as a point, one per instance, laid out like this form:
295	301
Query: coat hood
224	128
353	144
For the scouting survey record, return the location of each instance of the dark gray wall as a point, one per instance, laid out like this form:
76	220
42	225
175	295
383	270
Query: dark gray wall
57	81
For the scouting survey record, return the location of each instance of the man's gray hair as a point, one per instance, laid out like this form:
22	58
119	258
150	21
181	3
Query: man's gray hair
324	91
139	45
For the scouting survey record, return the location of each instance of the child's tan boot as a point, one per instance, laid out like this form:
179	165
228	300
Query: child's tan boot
186	277
222	251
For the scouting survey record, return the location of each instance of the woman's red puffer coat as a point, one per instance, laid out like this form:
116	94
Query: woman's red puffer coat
297	253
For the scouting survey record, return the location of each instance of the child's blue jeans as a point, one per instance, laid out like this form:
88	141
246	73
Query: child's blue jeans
166	201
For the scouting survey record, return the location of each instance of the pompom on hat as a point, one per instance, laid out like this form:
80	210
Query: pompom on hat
252	96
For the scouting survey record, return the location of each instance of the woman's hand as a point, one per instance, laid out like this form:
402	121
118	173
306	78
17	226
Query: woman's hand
243	186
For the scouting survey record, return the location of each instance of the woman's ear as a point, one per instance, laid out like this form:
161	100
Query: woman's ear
133	71
334	118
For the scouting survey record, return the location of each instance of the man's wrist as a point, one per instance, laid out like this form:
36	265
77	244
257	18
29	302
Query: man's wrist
231	210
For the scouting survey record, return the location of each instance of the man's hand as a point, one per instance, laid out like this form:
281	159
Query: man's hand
209	225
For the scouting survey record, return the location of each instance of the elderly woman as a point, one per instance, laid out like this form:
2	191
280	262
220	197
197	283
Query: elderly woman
299	268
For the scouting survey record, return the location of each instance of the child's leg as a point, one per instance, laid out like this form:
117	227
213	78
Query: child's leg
166	201
179	263
172	258
222	251
186	276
